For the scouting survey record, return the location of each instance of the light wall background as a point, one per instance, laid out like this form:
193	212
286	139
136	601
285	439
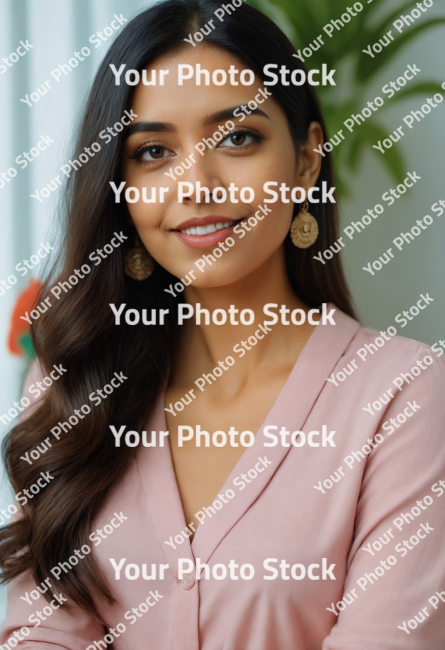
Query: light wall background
56	28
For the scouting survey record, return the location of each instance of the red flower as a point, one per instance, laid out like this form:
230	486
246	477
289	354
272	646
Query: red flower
19	341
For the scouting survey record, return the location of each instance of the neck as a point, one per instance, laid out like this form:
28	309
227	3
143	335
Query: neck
202	346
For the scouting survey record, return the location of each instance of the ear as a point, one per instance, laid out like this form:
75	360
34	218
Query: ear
309	163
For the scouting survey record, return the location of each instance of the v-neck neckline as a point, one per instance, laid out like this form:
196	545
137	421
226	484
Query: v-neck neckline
290	409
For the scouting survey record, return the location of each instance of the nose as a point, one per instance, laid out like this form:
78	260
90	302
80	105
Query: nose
199	181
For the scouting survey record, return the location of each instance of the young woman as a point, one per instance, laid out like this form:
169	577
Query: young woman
302	462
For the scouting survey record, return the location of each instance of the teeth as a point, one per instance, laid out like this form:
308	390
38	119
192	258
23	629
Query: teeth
205	230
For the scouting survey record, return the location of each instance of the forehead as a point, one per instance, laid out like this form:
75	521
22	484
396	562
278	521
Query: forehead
167	99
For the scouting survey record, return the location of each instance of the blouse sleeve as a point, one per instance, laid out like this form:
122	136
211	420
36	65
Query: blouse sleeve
43	625
394	594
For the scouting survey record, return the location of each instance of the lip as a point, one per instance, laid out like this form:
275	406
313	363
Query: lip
204	221
205	241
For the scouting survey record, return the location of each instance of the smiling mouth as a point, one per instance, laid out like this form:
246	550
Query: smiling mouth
208	229
211	227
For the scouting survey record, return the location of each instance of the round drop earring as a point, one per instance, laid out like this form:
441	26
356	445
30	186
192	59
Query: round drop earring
304	228
138	263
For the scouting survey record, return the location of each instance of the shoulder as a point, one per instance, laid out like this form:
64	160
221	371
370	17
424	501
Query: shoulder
382	359
386	348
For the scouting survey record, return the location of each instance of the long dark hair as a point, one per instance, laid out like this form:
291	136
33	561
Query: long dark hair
78	330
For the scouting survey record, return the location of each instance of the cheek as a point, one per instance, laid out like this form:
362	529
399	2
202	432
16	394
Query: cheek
143	213
146	216
268	233
277	163
272	171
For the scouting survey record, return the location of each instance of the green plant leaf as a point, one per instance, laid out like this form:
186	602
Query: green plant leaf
355	153
367	67
388	20
429	87
371	133
344	49
25	343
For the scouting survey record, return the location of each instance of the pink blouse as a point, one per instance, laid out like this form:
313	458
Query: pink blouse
340	527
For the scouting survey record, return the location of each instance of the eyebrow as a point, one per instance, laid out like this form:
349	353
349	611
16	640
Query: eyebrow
167	127
227	113
157	127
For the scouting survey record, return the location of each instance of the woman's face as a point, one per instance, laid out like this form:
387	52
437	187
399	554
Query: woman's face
176	118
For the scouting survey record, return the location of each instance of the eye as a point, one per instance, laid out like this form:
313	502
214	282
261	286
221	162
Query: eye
238	139
150	153
155	152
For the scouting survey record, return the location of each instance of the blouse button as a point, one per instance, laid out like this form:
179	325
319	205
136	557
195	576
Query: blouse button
188	582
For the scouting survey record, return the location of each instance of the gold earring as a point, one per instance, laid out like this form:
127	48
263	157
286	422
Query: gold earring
304	228
138	263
